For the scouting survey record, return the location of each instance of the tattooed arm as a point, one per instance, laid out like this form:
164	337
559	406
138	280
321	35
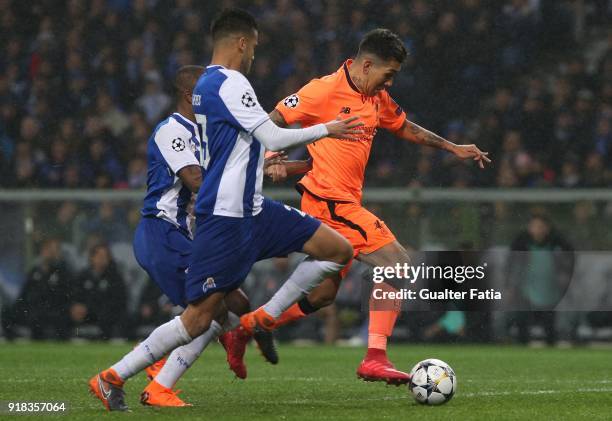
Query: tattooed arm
417	134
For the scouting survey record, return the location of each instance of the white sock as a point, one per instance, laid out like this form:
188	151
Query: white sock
304	279
182	357
161	341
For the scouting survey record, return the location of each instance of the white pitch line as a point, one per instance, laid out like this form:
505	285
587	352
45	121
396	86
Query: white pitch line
535	392
303	401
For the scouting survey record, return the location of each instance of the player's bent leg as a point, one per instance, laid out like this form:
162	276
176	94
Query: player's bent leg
326	244
108	385
376	366
237	304
320	297
178	331
160	391
328	253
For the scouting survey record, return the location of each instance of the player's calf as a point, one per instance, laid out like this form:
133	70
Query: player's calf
322	296
197	316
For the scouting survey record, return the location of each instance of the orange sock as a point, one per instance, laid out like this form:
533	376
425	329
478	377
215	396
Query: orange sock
381	327
291	314
263	319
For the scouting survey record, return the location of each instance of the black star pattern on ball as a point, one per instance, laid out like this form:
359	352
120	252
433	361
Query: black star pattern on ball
248	100
178	144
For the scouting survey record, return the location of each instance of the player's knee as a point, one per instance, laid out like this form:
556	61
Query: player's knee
344	252
324	294
195	323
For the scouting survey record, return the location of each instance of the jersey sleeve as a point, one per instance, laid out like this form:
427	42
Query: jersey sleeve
239	98
173	145
305	106
392	116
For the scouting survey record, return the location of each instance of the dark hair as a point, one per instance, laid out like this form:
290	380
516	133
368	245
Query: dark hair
186	78
232	21
384	44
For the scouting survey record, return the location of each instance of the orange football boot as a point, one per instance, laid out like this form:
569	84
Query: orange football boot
157	395
108	387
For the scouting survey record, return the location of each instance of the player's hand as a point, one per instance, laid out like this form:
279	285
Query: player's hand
345	129
274	166
472	151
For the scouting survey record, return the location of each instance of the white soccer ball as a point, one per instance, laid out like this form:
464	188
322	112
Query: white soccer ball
433	382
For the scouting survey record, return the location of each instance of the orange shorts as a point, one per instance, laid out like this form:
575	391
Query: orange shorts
364	230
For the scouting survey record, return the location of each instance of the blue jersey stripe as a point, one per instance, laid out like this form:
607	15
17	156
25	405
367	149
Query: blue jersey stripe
220	144
225	104
251	178
182	203
184	123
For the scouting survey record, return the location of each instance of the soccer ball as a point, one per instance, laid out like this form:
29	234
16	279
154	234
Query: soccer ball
433	382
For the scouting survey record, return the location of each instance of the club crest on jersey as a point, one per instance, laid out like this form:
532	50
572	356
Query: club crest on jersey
178	144
345	110
291	101
248	100
209	283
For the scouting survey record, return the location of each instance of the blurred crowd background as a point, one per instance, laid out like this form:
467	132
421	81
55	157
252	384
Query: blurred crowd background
83	84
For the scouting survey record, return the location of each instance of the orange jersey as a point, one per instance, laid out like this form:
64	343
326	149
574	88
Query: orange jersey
338	166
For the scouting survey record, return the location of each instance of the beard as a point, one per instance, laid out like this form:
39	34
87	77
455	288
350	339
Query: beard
246	65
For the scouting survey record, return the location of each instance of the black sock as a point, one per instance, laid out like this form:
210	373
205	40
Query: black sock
306	307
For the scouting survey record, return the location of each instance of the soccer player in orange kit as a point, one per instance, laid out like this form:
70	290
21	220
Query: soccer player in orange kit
332	187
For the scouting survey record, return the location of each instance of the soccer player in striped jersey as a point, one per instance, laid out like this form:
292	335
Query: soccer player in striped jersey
236	226
162	242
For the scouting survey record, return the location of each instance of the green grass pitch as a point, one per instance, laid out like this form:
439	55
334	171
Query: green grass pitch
494	382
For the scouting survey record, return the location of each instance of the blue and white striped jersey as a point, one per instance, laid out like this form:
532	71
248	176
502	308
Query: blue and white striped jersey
227	113
174	144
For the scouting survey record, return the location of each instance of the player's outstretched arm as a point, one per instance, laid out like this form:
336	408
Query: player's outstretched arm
275	138
417	134
279	169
